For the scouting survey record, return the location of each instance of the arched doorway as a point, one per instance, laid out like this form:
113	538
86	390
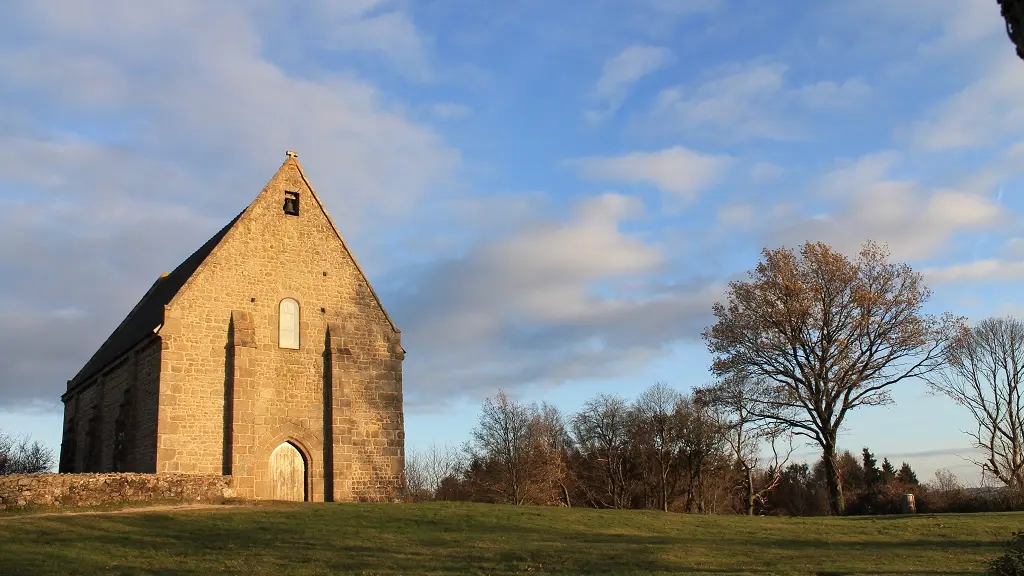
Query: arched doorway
287	473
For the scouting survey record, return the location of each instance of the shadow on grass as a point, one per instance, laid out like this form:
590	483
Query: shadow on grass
351	540
887	546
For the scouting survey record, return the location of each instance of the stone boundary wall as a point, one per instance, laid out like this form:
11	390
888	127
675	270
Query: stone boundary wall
20	490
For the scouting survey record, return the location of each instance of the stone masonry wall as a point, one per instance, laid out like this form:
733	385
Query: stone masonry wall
259	395
115	383
137	370
367	413
17	491
87	401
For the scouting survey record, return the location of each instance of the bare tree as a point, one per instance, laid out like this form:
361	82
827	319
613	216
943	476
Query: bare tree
732	400
700	449
414	479
601	431
439	463
985	374
426	469
550	472
824	334
946	481
24	456
658	419
503	436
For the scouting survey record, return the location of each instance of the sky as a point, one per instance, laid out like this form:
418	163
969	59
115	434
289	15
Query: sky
547	196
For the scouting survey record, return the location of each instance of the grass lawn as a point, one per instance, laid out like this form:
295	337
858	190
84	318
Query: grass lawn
459	538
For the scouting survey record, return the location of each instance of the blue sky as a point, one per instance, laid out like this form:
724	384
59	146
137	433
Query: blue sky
548	196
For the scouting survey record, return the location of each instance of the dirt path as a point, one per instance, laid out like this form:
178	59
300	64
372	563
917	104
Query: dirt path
156	508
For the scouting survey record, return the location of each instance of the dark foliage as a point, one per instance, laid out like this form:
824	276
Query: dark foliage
1011	563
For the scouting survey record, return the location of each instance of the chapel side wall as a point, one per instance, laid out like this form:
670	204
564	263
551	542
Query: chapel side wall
114	384
102	396
266	257
87	398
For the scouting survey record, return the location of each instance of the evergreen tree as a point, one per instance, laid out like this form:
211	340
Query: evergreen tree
872	476
868	497
888	472
906	475
850	472
798	493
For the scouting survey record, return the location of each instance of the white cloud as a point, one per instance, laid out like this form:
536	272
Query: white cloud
947	26
78	255
749	101
98	83
963	26
762	172
736	214
865	203
551	301
985	111
450	110
541	303
684	7
660	18
620	73
118	23
828	94
676	170
978	271
217	94
1015	247
196	119
205	98
851	176
729	102
391	33
913	37
551	265
1011	309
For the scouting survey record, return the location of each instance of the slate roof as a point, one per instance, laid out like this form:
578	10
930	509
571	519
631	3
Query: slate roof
149	312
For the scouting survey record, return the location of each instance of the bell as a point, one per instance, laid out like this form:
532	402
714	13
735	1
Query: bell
291	206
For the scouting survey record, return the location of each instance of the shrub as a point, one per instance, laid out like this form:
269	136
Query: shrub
1011	563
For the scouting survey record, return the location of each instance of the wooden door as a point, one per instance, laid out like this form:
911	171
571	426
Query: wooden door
287	474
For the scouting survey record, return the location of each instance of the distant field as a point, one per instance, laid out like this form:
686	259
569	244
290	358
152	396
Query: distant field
458	538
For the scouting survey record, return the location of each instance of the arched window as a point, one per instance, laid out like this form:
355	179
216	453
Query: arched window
288	331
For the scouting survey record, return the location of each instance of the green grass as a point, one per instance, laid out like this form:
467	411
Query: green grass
458	538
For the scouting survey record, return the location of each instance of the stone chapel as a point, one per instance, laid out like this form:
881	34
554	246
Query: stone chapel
265	355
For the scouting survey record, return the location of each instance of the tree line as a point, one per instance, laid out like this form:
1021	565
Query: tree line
666	451
23	455
809	336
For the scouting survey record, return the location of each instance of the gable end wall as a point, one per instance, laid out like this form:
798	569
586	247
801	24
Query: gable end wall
223	408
